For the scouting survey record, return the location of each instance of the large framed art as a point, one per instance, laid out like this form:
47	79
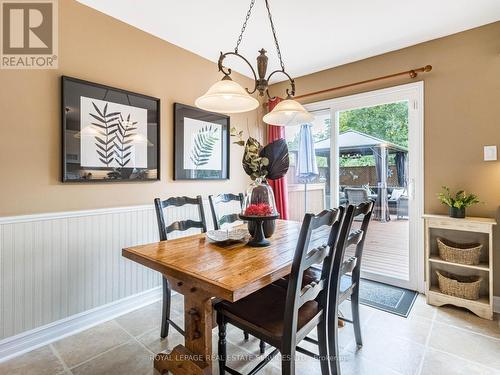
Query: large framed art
108	134
201	144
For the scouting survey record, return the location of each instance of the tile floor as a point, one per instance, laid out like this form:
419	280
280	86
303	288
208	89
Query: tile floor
431	341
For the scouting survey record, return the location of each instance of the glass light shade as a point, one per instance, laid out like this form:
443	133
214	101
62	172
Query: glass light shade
288	113
226	96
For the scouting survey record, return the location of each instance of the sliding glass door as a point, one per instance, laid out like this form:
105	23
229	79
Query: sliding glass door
371	147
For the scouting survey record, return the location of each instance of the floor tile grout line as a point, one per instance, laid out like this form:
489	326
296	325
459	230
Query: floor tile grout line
152	329
100	354
436	312
428	349
110	349
427	340
468	330
59	357
405	339
427	346
270	364
104	352
145	332
464	359
385	368
136	340
353	343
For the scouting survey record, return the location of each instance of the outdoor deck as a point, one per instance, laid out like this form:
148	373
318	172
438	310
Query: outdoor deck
386	248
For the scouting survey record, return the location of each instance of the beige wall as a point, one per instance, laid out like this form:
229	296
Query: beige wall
462	110
98	48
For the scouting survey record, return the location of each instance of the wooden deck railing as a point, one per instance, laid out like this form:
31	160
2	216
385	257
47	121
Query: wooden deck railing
316	195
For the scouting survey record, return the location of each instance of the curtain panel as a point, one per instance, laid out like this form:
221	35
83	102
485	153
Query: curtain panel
279	186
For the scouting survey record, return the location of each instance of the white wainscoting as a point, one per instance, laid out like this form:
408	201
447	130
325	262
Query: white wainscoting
61	265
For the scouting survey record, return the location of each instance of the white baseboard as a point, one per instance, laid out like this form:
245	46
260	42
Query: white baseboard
496	304
27	341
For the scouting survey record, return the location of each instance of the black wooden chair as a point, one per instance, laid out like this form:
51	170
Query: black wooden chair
343	285
215	201
165	229
349	284
284	317
220	220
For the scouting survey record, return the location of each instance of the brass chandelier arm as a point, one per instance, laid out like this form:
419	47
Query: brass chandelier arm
227	72
261	83
289	92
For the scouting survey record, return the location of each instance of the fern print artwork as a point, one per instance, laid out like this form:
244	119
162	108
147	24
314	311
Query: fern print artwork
112	135
202	144
124	140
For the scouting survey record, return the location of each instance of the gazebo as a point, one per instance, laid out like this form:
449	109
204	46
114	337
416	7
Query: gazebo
353	142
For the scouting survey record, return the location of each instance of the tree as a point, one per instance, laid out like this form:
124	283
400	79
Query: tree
388	122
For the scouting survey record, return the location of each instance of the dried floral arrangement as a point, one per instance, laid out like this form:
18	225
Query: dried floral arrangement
270	162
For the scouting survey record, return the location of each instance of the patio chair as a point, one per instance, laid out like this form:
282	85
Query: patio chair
356	196
396	194
402	208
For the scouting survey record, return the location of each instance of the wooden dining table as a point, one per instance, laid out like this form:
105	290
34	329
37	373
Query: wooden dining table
201	271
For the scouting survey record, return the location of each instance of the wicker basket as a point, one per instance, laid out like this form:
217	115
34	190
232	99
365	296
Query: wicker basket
459	286
459	253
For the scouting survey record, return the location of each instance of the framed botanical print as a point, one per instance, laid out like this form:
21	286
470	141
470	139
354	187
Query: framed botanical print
201	144
108	134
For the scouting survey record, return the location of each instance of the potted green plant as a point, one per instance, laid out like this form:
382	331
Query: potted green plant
458	202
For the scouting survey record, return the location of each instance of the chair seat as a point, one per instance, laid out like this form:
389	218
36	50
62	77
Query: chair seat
265	309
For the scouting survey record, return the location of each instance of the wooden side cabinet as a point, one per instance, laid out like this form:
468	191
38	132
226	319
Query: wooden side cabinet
468	230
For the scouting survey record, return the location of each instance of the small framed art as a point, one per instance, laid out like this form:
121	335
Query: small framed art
108	134
201	144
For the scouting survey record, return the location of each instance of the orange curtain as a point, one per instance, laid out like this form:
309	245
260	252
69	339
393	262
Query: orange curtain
279	186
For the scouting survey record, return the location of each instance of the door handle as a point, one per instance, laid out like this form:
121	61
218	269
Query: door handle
411	189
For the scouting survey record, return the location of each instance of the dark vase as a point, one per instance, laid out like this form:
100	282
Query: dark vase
260	192
458	213
269	226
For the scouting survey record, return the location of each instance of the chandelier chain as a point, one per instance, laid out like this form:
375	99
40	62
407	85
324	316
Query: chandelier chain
240	38
273	29
274	36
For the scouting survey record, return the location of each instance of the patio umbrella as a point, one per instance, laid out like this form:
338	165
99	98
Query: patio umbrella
307	169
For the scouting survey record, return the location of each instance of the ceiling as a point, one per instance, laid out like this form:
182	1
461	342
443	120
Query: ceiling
313	35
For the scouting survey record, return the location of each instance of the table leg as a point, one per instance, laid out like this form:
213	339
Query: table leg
195	356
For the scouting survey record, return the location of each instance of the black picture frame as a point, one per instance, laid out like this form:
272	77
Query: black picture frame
135	145
182	111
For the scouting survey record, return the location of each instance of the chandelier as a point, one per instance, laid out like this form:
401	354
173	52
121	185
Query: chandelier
227	96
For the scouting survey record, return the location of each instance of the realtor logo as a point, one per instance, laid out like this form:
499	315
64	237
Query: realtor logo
29	34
